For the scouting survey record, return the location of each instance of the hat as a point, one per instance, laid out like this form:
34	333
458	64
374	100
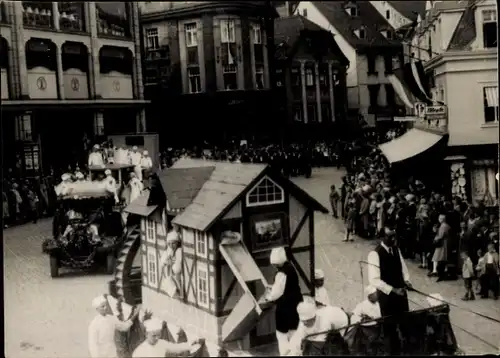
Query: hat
409	197
99	300
319	274
306	310
134	147
435	299
66	176
366	187
278	256
173	236
392	199
96	146
79	175
145	152
107	172
370	289
153	324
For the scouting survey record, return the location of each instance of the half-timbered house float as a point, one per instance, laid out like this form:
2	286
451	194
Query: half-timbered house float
228	217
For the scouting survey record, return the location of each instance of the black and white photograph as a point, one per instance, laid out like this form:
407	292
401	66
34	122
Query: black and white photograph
351	147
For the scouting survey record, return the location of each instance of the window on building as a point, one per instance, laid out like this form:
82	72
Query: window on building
352	11
309	77
297	113
113	18
489	28
390	95
150	231
259	77
361	33
387	14
490	104
24	130
37	13
373	91
191	34
202	284
228	34
230	75
71	15
194	79
201	244
389	34
266	192
371	59
152	270
312	115
152	40
256	34
388	64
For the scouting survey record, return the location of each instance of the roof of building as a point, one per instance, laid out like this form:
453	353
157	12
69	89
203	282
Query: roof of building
437	8
288	30
465	31
227	183
140	205
182	184
409	9
368	18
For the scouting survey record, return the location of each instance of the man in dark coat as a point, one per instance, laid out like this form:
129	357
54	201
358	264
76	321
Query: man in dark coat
387	272
286	293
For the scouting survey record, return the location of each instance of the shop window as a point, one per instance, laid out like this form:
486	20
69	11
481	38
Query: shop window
266	192
150	231
152	269
202	285
201	244
490	104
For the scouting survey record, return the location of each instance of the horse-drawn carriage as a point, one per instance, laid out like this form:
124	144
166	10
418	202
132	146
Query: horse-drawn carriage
86	229
426	331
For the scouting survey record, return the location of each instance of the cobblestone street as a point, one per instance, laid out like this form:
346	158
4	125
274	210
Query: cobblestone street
47	317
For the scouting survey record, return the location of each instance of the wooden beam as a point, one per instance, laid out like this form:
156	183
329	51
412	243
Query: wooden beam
299	227
301	272
228	293
312	246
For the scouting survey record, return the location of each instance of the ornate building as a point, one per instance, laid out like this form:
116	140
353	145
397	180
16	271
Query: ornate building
68	69
210	63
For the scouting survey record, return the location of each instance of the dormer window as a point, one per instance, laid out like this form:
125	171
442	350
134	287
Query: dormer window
489	18
388	34
388	14
352	10
361	33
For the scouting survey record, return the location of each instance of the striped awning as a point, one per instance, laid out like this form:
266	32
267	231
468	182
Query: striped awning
401	89
491	94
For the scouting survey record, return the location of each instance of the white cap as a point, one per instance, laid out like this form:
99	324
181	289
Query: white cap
435	299
173	236
107	172
153	325
370	289
134	147
99	300
96	146
79	175
319	274
65	176
278	256
367	188
409	197
145	152
306	310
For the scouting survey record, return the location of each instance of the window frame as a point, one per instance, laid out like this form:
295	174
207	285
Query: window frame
201	241
155	38
225	72
362	33
256	34
228	25
191	32
152	262
191	76
259	72
150	225
200	278
485	105
309	76
267	202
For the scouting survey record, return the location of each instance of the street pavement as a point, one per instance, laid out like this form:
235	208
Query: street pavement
47	317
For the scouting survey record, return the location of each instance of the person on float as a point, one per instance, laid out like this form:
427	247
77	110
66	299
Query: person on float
136	187
171	265
146	162
321	294
79	175
368	310
101	332
121	155
286	293
95	158
135	160
388	273
315	320
110	184
154	346
63	187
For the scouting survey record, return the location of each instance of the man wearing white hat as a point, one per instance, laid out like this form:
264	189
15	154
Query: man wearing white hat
369	309
135	160
121	155
321	295
316	320
286	293
171	265
64	185
103	327
135	187
95	158
146	161
154	346
110	183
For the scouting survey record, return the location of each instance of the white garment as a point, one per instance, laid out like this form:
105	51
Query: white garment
95	159
489	258
327	318
283	341
171	268
374	271
62	188
321	296
135	158
102	335
366	308
146	162
160	349
278	287
121	156
135	189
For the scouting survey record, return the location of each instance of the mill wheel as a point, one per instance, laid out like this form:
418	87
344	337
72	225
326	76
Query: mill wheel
110	263
54	266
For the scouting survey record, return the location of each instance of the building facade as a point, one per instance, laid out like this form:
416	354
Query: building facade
370	44
463	72
69	70
212	60
311	75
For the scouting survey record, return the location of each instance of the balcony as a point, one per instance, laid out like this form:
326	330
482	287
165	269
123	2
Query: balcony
38	14
160	54
71	16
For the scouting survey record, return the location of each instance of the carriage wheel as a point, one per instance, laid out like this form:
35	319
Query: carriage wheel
54	266
110	263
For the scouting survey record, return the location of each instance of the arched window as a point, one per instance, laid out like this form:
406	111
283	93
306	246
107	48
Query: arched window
41	53
266	192
113	18
117	59
75	55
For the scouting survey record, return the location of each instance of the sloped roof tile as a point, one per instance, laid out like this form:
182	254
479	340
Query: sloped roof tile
140	205
465	32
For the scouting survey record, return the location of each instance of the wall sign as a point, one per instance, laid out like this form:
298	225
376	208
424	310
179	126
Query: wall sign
116	86
435	112
268	231
75	84
41	83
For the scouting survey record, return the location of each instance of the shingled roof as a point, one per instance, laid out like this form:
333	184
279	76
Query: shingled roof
409	9
226	183
288	31
465	32
368	18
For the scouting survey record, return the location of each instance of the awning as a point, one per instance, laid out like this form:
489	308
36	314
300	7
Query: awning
413	142
491	96
401	90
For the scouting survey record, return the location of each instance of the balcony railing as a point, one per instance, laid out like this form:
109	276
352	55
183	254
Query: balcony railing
37	14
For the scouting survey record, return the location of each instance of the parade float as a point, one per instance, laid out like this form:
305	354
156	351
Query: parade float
228	217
